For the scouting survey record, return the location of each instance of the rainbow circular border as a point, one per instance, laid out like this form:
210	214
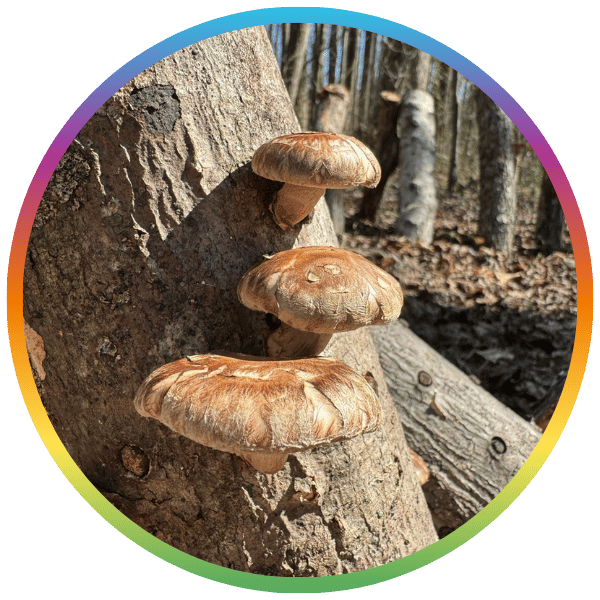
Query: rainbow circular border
299	15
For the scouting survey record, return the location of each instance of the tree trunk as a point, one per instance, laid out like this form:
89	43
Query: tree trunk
417	202
146	227
333	108
550	224
387	151
333	51
395	66
497	197
296	59
333	100
352	127
472	444
369	68
319	57
453	109
419	75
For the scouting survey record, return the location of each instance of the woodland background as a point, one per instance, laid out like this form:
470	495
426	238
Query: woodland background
505	315
61	540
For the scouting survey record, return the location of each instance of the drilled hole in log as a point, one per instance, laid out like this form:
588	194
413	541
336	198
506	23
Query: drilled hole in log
498	445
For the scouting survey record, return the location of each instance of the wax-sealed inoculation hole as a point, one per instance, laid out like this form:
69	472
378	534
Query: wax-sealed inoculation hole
498	445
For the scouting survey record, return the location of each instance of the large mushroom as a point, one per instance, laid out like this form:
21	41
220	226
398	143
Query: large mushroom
309	163
259	409
317	291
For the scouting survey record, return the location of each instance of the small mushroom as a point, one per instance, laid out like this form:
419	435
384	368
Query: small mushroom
421	469
315	292
259	409
309	163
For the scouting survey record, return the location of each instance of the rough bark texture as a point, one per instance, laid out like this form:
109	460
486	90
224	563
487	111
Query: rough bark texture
417	201
497	195
146	227
550	223
472	443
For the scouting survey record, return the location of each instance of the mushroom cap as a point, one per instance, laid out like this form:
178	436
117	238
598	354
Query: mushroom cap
313	159
322	289
241	404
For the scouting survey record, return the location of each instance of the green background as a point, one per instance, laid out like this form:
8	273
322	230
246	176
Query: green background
55	54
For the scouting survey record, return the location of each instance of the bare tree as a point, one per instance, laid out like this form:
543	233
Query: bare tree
551	223
144	231
334	100
419	73
335	35
295	59
386	150
497	197
453	118
366	114
417	203
319	55
349	68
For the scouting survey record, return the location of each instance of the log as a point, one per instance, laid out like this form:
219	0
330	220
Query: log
144	231
417	204
472	443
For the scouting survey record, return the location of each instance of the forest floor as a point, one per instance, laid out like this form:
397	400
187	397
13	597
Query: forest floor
508	322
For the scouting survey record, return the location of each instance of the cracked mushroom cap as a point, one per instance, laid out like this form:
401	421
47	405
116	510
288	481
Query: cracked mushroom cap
260	409
313	159
322	289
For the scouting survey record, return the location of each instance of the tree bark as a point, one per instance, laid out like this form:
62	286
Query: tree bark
333	108
318	82
472	444
366	108
497	197
419	74
550	223
453	109
336	32
333	102
296	59
387	151
417	202
147	225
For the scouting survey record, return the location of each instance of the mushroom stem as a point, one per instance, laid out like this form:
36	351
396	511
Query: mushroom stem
264	462
293	203
288	342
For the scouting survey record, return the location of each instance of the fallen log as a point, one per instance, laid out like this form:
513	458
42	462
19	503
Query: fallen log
472	444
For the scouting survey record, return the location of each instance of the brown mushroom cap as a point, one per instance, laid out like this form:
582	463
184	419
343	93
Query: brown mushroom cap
313	159
322	289
258	408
